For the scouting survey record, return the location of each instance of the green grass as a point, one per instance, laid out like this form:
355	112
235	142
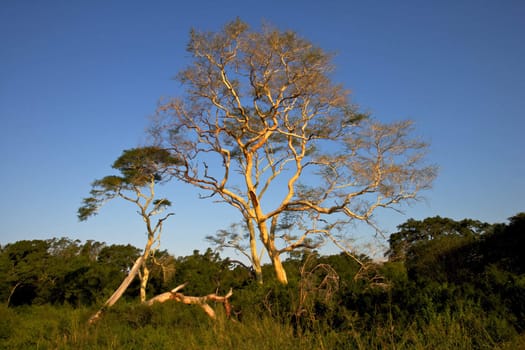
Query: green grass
172	325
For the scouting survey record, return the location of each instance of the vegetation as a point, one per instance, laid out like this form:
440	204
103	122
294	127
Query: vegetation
141	169
454	288
262	126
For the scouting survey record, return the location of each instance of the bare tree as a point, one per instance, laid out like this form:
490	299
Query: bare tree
262	126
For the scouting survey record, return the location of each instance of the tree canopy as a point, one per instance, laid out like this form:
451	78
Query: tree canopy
413	232
263	126
139	167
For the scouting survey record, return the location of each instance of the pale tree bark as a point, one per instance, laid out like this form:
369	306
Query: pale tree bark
201	301
144	277
235	238
141	169
119	291
262	126
254	256
11	292
280	272
140	264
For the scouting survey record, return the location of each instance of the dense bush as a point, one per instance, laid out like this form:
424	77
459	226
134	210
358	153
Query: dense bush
469	287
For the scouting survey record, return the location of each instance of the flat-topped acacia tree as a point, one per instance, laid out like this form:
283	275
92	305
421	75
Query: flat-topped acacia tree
262	126
140	170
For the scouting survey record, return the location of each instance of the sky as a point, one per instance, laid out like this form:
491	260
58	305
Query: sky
79	80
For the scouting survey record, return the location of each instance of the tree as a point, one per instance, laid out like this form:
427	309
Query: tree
100	275
141	169
262	126
413	232
206	271
23	270
46	271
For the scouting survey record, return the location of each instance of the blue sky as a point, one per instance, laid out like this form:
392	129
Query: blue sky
78	80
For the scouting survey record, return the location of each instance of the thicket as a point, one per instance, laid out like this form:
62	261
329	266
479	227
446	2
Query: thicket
447	284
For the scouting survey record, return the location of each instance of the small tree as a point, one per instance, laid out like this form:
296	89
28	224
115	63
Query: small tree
141	169
263	127
23	267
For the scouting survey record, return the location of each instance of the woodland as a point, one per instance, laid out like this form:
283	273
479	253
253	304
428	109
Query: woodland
262	126
445	284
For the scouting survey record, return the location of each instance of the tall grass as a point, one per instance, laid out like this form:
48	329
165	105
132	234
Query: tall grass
172	325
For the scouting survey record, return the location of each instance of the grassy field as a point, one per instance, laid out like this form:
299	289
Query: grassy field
174	326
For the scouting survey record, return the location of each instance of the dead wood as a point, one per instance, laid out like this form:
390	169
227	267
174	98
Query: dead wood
202	301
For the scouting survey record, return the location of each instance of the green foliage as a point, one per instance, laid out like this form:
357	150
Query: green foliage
456	268
206	273
453	291
172	325
22	270
413	232
62	271
139	167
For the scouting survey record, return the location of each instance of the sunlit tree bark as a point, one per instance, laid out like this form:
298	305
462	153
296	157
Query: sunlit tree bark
201	301
234	238
119	291
262	126
140	169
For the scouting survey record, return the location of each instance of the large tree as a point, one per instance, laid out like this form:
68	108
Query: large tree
263	126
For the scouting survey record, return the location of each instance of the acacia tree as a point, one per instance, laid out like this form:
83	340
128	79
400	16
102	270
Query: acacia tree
262	126
141	169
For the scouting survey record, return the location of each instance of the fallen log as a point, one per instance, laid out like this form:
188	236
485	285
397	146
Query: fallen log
201	301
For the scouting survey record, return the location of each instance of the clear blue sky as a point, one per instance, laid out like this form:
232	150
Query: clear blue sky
78	80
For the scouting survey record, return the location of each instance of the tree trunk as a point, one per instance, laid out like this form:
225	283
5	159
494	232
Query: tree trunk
258	274
256	263
12	292
120	290
280	272
144	277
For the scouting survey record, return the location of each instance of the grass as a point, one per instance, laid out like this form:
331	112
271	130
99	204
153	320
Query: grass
172	325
